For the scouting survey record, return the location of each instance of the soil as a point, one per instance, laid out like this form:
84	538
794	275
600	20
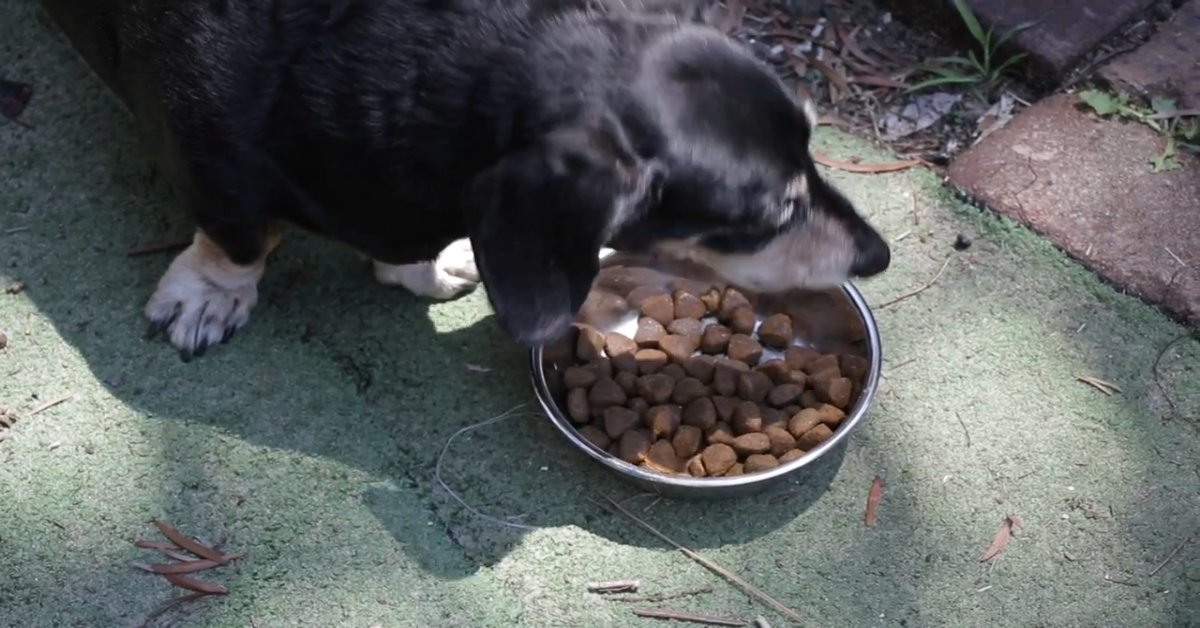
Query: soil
857	63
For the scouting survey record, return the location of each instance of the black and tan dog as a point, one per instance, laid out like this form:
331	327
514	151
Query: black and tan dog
438	137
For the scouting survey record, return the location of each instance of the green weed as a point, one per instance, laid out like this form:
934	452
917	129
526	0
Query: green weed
981	72
1181	128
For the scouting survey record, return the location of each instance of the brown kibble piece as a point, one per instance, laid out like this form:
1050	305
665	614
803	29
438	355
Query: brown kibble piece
798	357
725	378
590	345
725	407
744	349
719	433
700	413
731	300
803	422
577	405
827	362
660	307
760	462
627	381
689	306
606	393
854	367
695	467
814	437
771	416
798	377
781	440
689	327
752	443
747	418
776	369
655	388
618	420
737	469
753	386
650	360
834	391
687	390
809	399
662	458
649	331
784	394
743	321
776	331
718	458
674	371
687	441
678	348
794	454
602	367
616	344
715	339
638	295
663	420
701	367
633	447
830	415
711	300
595	436
638	405
579	377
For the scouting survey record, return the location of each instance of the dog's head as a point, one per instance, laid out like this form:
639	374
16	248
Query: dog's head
704	157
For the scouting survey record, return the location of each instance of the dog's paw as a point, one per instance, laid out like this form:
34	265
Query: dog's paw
452	274
202	300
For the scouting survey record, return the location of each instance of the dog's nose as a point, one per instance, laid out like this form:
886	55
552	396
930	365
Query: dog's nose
874	256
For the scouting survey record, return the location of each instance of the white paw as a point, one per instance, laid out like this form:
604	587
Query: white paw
202	299
453	273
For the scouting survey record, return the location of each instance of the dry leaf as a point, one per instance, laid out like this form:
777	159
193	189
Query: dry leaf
1001	539
873	500
878	81
851	46
180	567
179	539
200	586
833	75
666	613
850	166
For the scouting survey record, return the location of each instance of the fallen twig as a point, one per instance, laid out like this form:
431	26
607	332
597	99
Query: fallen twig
662	597
1170	556
850	166
168	605
666	613
50	404
913	293
613	586
1107	388
873	497
1128	583
714	567
157	247
761	622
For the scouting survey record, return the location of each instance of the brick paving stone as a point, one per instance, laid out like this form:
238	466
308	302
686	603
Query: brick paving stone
1086	184
1168	64
1067	29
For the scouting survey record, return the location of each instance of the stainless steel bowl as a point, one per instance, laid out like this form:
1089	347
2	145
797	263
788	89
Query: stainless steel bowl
829	325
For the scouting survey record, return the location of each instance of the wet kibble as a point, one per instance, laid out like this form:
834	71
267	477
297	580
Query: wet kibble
660	307
579	377
776	331
650	360
686	396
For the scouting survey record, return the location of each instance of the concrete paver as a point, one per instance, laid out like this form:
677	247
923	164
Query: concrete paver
1167	65
1066	29
1086	183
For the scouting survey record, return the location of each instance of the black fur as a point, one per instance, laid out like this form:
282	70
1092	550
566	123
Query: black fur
543	129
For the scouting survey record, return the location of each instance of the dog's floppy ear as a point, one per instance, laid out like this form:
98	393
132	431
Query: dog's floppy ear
538	218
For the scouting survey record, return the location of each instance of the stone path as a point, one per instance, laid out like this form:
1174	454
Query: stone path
1084	181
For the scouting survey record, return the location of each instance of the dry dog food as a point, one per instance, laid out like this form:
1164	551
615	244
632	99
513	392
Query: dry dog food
701	387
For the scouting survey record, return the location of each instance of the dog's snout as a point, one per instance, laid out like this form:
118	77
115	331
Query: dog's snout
872	256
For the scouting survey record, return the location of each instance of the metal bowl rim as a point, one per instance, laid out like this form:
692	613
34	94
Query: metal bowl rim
865	399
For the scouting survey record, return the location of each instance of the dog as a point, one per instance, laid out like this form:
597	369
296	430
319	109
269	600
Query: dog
460	141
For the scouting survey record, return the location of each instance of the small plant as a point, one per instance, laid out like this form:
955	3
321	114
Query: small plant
1181	128
978	71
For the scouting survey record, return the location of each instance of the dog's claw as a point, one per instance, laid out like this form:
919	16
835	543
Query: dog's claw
229	332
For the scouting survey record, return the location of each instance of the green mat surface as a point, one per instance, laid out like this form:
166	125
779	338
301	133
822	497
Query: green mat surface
310	440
